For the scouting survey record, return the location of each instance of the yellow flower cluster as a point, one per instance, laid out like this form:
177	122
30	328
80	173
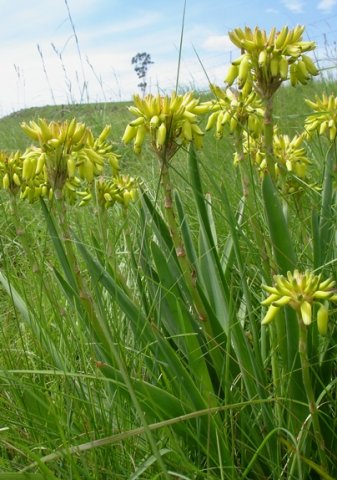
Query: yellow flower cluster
289	154
300	291
170	121
122	189
324	120
66	160
234	109
11	171
267	60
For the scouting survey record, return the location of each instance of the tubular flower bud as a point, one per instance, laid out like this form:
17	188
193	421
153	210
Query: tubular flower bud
324	118
168	120
265	59
300	291
322	320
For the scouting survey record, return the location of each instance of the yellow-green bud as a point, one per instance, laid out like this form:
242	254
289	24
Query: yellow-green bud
306	312
187	130
16	179
271	313
5	181
40	164
104	134
244	69
322	320
161	136
232	73
71	166
154	122
141	131
275	66
311	67
283	67
129	134
211	120
137	122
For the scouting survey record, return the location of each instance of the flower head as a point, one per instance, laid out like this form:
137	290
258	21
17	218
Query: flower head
233	108
291	161
300	291
267	60
11	171
324	120
122	189
170	122
66	160
289	154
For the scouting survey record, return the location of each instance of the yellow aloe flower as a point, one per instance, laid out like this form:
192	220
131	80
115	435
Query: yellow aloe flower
291	158
234	108
121	189
103	147
300	291
67	156
269	59
171	121
11	171
290	154
324	120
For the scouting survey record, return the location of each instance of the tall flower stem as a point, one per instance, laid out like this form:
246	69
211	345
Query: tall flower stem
268	134
238	142
186	267
83	290
305	365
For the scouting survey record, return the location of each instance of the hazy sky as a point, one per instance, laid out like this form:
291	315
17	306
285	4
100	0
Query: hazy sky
42	63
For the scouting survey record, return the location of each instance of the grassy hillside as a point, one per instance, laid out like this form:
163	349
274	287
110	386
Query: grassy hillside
131	344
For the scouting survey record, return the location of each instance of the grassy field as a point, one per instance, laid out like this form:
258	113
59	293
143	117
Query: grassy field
123	357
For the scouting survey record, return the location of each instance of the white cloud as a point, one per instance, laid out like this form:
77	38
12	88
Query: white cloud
326	5
295	6
218	43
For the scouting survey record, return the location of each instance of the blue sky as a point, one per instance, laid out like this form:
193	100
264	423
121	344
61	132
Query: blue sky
111	32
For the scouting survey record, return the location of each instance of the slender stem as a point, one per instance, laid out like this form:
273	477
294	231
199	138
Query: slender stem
83	290
238	141
302	347
186	268
268	135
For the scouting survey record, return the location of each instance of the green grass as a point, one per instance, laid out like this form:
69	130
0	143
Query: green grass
106	370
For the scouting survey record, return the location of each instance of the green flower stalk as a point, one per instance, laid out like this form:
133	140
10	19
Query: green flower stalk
267	61
169	121
324	119
300	291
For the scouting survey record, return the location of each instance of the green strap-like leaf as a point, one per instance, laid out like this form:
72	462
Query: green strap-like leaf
283	244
